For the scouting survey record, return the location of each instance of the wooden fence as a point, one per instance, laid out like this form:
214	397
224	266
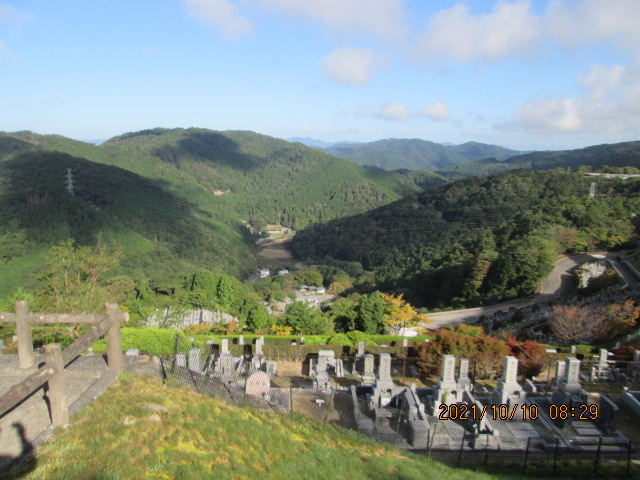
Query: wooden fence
56	359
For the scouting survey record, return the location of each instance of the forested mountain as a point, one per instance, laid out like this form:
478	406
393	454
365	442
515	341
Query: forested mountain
415	154
478	240
626	154
474	151
173	199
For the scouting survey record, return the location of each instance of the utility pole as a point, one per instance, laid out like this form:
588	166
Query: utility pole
69	182
592	190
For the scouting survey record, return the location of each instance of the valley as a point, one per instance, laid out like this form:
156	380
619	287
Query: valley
441	243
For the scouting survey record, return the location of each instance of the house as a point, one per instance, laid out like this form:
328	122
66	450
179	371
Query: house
283	272
264	273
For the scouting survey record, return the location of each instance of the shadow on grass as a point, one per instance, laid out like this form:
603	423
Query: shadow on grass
25	462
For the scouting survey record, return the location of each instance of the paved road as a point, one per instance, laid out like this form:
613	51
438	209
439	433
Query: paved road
558	283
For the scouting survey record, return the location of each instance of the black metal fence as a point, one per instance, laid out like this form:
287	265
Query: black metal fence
268	385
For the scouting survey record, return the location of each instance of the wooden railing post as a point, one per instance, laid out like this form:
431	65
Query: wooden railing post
113	339
26	357
56	391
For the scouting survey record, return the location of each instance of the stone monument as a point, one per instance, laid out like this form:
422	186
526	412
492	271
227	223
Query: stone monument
508	391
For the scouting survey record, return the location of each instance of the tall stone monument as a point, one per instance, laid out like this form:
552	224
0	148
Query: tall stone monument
508	391
384	382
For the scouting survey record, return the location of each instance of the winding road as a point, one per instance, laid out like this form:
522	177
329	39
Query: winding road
559	283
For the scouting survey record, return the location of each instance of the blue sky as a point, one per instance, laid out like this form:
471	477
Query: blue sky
523	74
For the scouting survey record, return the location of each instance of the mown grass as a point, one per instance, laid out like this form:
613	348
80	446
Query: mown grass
201	437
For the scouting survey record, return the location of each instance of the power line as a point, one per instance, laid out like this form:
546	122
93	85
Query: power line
69	182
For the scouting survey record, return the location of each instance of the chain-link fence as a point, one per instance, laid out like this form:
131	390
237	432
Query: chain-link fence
289	384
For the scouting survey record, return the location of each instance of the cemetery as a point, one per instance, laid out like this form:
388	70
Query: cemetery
454	415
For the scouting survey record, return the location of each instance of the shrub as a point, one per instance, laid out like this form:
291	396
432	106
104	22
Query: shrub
150	340
198	329
315	339
340	339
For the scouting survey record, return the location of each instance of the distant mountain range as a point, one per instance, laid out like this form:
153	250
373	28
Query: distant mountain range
626	154
410	154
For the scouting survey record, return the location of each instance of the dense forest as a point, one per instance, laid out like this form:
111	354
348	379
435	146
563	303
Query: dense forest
416	154
172	203
598	157
479	240
174	200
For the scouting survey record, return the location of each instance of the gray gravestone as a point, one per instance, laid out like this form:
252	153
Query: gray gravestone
181	360
463	379
241	340
360	348
447	385
385	382
368	377
572	370
448	377
325	359
405	342
224	346
509	392
568	385
607	415
259	346
560	369
603	357
195	360
258	384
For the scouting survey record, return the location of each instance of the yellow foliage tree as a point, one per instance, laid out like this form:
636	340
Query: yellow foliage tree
399	314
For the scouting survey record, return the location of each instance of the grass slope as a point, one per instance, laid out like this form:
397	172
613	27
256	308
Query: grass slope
200	437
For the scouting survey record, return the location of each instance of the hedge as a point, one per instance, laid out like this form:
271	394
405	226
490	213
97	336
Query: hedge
149	340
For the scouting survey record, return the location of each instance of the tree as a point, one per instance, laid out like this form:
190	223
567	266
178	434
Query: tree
573	324
531	356
71	278
344	314
308	277
400	315
371	313
305	319
464	342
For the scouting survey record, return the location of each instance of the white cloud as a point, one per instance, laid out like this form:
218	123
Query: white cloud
395	111
350	66
400	112
592	21
385	18
610	104
439	111
510	29
222	15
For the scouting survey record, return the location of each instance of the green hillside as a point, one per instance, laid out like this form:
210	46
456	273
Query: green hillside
161	234
243	174
172	199
619	155
415	154
479	240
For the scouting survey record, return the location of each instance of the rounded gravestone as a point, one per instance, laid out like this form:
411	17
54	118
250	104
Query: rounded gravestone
258	384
